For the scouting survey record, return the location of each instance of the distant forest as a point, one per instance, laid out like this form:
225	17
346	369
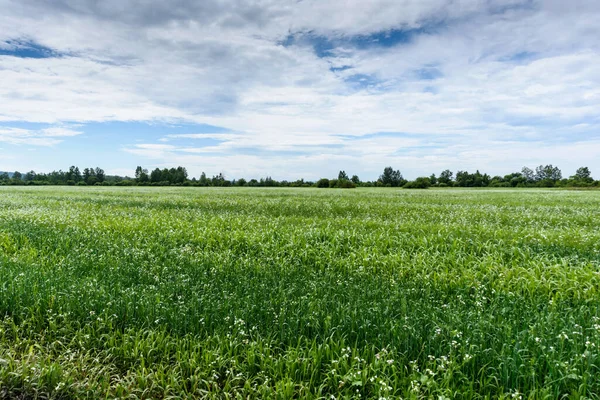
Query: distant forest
542	176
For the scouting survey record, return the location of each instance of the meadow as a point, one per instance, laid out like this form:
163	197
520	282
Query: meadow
299	293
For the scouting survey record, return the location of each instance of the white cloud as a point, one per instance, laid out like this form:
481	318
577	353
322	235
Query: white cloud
42	137
505	70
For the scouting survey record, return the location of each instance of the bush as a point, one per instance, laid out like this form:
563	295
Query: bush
323	183
124	183
345	184
419	183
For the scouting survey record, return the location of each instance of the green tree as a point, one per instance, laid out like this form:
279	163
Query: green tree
446	177
73	174
323	183
100	175
141	175
583	174
178	175
528	174
432	179
203	181
241	182
547	175
422	182
343	176
355	179
155	175
30	176
218	180
391	177
464	179
86	174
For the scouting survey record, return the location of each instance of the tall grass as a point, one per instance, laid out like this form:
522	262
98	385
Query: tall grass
237	293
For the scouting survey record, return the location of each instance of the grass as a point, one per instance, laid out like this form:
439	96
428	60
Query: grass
283	293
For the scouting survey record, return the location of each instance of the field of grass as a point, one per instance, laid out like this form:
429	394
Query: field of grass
299	293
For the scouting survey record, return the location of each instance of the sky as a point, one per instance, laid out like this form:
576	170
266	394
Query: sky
300	88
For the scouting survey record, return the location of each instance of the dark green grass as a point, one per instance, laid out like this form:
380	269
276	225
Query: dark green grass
153	293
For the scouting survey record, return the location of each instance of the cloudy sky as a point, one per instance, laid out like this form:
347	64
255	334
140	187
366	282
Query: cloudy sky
300	88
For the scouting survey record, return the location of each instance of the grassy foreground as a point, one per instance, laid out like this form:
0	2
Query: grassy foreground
250	293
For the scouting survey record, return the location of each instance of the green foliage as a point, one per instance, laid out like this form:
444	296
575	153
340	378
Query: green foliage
445	177
323	183
202	293
419	183
465	179
547	175
391	178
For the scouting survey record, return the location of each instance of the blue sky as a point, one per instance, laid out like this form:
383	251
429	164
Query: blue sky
300	89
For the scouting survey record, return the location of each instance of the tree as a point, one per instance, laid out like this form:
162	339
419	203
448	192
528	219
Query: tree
323	183
391	177
155	175
218	180
583	174
515	179
433	179
528	174
419	183
480	180
141	175
182	174
342	176
17	176
446	177
165	175
100	175
268	182
547	175
73	174
86	174
30	176
355	179
203	181
464	179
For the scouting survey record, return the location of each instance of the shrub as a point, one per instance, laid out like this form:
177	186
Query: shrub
345	184
323	183
419	183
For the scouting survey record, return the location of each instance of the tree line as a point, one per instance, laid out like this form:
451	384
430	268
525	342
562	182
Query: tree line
541	176
73	176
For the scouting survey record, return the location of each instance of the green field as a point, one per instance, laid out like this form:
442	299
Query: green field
299	293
